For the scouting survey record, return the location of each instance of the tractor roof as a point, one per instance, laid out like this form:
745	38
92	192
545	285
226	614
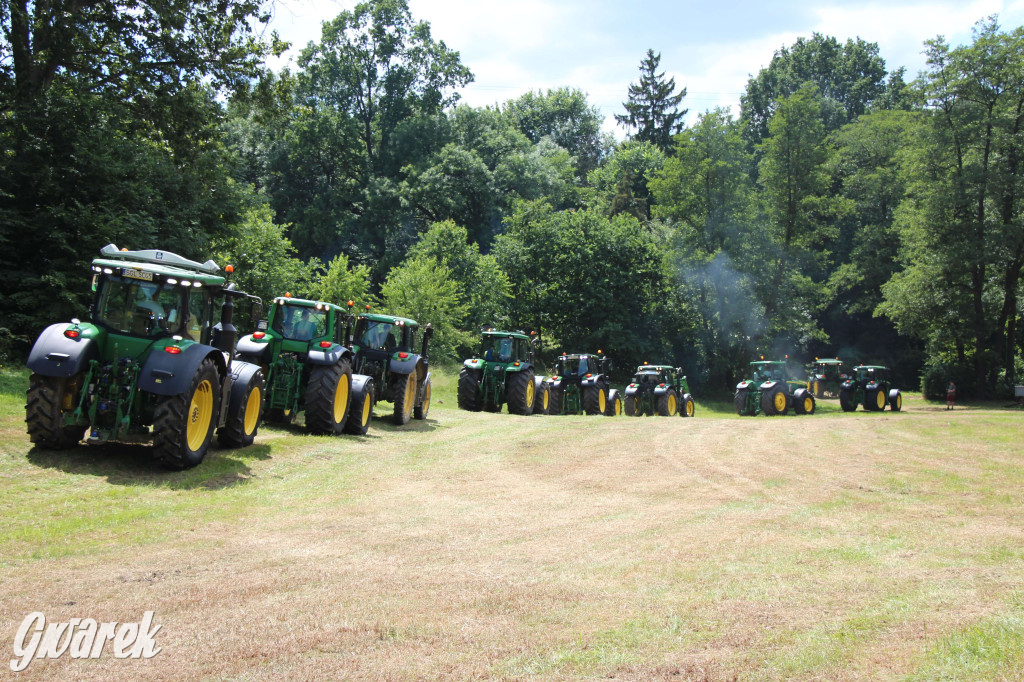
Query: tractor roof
657	368
768	362
389	319
827	361
507	335
158	262
577	356
305	303
870	367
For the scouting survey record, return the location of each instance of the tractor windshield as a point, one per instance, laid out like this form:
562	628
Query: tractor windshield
374	335
498	350
141	308
299	323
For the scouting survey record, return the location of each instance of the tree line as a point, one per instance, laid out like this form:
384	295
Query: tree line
843	210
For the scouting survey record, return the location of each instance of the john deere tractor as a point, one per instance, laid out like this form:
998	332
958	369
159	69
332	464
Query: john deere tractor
385	349
580	385
153	364
658	390
772	390
825	376
870	386
301	347
503	374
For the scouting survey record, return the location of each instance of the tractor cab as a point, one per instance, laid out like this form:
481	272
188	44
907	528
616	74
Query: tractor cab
576	365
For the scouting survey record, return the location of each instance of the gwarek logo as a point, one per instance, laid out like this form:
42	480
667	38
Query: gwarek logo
82	638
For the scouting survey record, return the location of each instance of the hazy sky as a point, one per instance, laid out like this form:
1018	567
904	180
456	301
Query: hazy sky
711	48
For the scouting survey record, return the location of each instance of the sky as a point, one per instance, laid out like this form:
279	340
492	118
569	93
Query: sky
710	48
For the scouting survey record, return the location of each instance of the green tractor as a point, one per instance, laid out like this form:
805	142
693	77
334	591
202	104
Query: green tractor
504	373
825	376
772	391
580	386
660	390
870	386
154	364
385	349
301	347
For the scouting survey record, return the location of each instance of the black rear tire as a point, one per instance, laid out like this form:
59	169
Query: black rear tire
846	401
328	394
521	393
667	404
555	397
595	400
239	430
423	408
403	391
183	424
739	401
469	390
47	399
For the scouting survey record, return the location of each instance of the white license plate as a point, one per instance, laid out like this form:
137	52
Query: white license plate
138	274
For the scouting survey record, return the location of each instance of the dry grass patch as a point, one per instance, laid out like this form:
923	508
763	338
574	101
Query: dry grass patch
491	546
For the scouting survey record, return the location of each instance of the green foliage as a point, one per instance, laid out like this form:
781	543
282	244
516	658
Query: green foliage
342	283
848	78
423	289
652	107
620	185
939	371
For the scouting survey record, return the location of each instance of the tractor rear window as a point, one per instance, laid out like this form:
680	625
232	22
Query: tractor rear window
378	335
498	350
140	308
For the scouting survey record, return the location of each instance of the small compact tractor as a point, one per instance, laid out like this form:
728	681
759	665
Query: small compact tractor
503	373
660	390
772	390
153	364
580	386
301	348
869	385
825	376
385	349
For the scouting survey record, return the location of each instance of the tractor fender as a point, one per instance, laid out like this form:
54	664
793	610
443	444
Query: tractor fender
523	366
397	365
167	374
847	384
422	387
473	363
55	355
252	348
596	380
240	374
768	385
556	383
328	356
360	383
632	389
662	390
744	384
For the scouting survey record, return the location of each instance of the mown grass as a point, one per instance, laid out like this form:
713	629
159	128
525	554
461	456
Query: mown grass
835	546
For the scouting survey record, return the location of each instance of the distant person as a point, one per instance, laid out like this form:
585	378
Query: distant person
950	395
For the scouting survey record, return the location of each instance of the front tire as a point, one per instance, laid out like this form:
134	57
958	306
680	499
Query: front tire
47	399
327	398
239	431
183	424
846	401
614	408
689	407
403	389
895	400
739	401
421	410
360	410
556	397
542	398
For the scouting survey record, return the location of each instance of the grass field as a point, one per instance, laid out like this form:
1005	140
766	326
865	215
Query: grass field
832	547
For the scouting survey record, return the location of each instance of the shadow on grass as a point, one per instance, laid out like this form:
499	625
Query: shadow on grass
387	424
134	465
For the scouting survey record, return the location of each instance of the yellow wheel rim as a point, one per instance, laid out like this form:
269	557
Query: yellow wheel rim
366	410
544	399
410	394
341	398
899	402
618	407
529	394
880	399
426	399
780	401
252	410
808	405
672	407
200	414
602	400
689	408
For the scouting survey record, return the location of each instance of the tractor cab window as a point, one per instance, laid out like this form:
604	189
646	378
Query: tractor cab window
375	335
197	318
140	308
300	324
584	367
499	350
